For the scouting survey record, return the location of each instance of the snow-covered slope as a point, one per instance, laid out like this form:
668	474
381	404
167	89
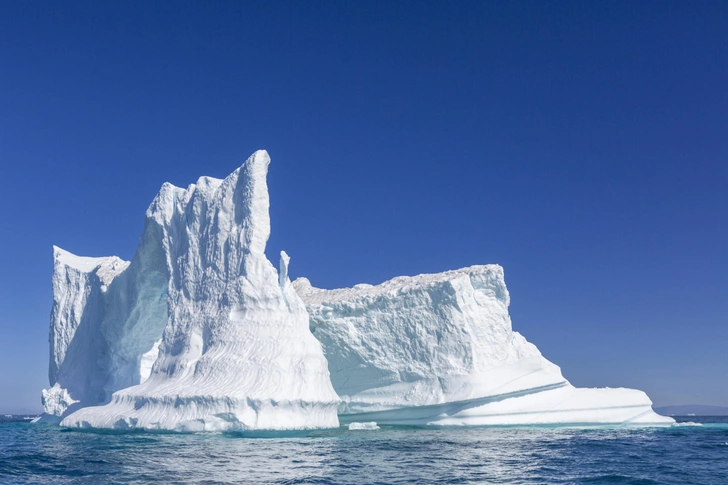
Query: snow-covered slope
198	332
439	349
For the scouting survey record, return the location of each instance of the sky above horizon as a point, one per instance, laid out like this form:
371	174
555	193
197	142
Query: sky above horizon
581	145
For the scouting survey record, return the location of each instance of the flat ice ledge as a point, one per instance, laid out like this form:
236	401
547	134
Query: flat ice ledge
83	264
400	284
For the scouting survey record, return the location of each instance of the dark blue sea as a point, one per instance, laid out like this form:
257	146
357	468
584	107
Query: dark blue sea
44	454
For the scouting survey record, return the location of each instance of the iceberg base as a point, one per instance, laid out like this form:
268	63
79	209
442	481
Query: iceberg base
204	413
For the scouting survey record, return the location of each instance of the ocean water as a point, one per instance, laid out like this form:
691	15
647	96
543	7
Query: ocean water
687	454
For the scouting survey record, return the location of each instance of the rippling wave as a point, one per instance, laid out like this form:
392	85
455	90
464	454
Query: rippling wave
35	453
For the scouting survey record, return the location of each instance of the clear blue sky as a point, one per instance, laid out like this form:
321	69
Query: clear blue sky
581	145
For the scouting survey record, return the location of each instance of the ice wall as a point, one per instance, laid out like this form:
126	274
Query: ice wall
78	351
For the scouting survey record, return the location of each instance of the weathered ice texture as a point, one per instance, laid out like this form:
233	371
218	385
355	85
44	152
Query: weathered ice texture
439	349
198	332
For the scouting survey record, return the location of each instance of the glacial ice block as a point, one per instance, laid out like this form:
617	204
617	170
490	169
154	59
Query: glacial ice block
439	349
198	332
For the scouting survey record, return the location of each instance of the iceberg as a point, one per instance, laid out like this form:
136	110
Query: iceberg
199	332
439	349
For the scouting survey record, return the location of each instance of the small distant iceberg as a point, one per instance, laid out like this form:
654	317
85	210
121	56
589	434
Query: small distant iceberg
363	426
17	418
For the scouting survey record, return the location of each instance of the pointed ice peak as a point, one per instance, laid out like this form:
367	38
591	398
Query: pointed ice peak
252	202
256	166
227	218
487	277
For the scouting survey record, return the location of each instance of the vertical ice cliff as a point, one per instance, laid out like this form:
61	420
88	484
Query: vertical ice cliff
198	332
77	347
439	349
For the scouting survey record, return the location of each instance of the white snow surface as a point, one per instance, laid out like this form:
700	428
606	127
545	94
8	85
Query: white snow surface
438	349
198	332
